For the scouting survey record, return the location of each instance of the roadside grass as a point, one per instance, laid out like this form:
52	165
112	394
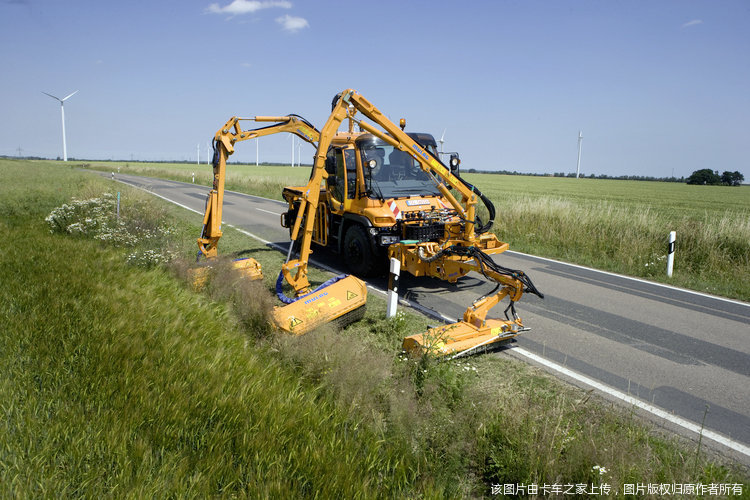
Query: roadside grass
622	226
120	380
613	225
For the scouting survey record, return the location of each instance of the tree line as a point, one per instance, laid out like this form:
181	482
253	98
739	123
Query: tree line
701	177
708	177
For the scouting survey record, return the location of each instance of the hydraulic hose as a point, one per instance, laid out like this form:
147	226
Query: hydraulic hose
487	203
484	261
289	300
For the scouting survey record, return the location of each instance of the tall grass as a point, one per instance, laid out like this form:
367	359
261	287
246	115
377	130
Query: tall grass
713	249
118	380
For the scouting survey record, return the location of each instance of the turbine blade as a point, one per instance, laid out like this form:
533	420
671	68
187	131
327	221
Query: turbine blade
71	95
53	97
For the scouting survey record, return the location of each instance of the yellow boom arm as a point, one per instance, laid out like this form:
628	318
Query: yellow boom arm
224	142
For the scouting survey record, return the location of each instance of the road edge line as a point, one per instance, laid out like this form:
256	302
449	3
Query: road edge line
658	412
632	278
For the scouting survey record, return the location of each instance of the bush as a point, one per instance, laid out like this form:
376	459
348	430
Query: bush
140	226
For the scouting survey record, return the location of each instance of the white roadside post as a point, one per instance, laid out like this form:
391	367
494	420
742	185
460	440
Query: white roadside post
670	253
393	288
193	177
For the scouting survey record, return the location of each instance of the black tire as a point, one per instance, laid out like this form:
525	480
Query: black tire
358	253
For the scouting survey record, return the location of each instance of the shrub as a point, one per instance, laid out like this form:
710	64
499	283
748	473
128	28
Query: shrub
141	226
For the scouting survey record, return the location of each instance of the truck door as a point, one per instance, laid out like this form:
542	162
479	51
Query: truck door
351	173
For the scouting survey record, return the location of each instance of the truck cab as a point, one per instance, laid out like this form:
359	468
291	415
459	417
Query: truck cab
374	195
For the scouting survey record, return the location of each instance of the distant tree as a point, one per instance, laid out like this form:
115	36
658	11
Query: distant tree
732	178
704	176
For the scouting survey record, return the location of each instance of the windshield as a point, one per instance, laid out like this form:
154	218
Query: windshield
395	173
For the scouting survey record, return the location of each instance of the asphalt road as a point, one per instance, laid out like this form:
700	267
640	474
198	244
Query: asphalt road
685	354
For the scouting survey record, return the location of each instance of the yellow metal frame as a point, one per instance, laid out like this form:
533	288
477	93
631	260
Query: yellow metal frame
420	259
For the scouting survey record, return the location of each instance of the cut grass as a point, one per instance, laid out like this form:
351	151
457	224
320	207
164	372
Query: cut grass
119	381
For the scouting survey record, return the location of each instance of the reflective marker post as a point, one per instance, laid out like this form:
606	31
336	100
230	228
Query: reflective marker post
670	253
393	288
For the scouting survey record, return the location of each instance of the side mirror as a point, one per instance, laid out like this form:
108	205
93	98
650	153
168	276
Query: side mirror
454	163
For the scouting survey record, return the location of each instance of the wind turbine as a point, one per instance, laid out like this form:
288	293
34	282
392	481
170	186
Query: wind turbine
62	111
441	141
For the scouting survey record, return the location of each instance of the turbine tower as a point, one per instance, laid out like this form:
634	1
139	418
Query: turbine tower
62	111
578	166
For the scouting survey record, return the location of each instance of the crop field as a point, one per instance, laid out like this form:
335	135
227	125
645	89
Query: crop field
119	380
613	225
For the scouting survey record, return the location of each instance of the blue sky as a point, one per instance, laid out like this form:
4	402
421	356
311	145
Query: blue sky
657	87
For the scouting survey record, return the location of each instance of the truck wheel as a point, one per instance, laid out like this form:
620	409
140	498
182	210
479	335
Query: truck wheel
358	252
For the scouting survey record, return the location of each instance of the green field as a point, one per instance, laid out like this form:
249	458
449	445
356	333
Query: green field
613	225
118	380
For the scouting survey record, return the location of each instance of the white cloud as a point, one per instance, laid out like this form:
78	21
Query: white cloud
292	23
692	23
238	7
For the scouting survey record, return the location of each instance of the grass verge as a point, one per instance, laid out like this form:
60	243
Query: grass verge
119	380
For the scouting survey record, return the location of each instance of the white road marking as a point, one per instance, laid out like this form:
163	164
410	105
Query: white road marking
639	280
268	211
679	421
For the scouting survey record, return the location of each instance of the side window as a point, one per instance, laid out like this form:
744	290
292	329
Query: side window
336	177
351	173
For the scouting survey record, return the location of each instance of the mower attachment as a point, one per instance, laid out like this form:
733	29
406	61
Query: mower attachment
340	300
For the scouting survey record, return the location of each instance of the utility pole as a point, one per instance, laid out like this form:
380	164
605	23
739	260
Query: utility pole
580	140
